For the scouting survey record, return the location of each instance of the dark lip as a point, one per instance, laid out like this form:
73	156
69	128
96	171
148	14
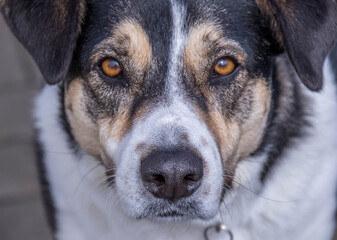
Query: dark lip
170	214
166	216
177	217
180	211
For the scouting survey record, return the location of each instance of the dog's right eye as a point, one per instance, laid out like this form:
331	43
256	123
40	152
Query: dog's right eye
111	68
225	66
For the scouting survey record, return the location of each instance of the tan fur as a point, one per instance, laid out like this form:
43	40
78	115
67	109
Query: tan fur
252	129
84	130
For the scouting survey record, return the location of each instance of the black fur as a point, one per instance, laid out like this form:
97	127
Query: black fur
333	60
48	29
65	123
308	30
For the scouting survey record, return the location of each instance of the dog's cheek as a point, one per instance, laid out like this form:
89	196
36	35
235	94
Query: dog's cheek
112	132
226	134
238	138
252	129
84	130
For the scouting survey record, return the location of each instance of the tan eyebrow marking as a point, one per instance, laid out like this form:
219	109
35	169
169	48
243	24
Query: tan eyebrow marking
129	39
196	47
130	35
200	40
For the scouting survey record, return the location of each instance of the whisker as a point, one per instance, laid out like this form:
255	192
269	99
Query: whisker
255	193
86	174
263	197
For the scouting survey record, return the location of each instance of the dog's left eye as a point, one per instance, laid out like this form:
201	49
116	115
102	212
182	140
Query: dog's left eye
111	68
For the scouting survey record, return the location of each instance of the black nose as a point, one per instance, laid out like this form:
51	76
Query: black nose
172	175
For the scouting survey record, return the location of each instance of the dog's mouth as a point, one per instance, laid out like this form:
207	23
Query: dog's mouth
170	215
182	210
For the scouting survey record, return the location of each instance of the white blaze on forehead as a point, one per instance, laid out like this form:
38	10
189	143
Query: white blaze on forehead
177	46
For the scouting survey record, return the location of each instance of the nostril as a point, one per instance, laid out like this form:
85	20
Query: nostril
191	178
158	180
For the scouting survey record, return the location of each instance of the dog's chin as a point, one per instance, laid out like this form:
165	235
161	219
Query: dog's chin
175	212
168	217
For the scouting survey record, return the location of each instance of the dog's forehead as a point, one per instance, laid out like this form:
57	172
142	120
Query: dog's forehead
238	20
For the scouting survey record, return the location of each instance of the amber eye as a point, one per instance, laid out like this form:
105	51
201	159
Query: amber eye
225	66
111	67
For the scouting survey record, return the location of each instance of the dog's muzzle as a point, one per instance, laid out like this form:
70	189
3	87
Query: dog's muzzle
163	167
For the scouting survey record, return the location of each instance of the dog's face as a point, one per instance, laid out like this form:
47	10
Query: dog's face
170	96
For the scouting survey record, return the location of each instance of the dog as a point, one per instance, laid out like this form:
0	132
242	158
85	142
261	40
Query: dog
177	119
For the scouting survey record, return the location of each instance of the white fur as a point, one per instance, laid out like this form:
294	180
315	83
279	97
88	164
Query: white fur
177	45
299	195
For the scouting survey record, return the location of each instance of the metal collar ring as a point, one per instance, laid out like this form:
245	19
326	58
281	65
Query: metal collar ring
218	228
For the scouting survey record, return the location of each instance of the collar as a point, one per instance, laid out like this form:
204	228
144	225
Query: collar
218	227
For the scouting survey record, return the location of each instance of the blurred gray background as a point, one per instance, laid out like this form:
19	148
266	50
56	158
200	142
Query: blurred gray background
21	211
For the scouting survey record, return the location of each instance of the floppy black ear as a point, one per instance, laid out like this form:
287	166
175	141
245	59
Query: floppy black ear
48	29
308	30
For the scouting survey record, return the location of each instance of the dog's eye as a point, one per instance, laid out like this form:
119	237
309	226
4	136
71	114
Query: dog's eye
111	67
224	66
